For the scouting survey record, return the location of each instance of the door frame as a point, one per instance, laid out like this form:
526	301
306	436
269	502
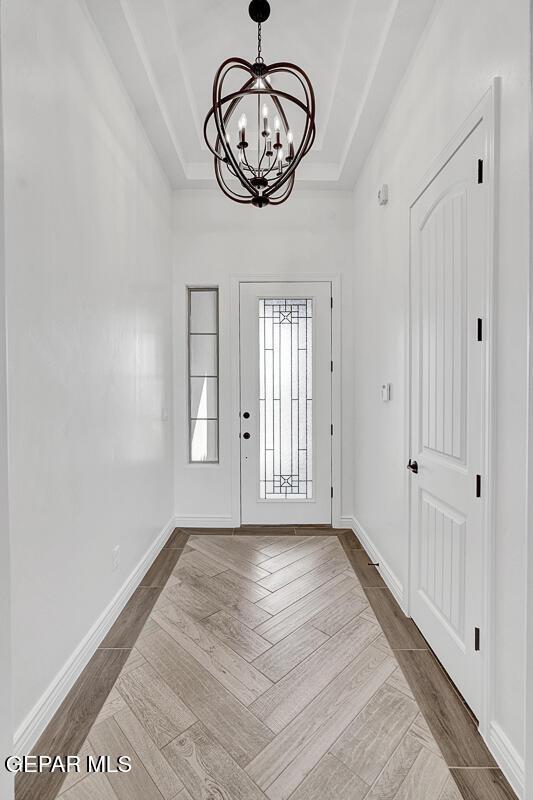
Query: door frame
486	113
235	377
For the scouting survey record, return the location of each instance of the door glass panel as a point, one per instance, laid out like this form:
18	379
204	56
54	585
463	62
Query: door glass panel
285	398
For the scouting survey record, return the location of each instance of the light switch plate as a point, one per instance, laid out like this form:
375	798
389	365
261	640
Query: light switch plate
386	390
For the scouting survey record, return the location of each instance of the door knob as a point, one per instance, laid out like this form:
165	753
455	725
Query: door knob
246	435
246	415
413	466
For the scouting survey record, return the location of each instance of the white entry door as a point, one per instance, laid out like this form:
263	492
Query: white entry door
285	338
448	266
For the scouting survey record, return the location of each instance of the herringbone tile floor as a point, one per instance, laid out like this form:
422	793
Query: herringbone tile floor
263	673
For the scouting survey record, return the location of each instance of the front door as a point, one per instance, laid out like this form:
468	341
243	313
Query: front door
448	258
285	352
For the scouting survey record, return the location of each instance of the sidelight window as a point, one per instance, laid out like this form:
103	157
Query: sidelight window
203	375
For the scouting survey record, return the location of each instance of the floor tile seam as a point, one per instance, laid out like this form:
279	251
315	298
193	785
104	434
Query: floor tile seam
315	698
428	649
223	689
222	745
177	736
391	756
289	550
365	588
170	689
250	532
116	648
291	633
348	767
490	769
139	756
303	709
371	622
256	602
339	761
170	547
232	652
300	663
413	723
455	690
312	569
413	764
292	549
251	630
225	607
463	704
239	558
272	616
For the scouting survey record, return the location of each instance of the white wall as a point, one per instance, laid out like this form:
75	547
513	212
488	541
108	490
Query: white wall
465	47
88	252
215	239
6	731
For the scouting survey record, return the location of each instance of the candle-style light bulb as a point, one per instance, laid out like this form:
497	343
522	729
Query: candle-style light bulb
277	126
280	161
242	131
290	139
265	131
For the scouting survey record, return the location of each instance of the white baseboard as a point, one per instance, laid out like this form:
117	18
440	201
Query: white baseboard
504	752
205	522
390	578
508	758
38	718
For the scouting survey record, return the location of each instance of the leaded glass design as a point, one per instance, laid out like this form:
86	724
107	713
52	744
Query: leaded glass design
285	398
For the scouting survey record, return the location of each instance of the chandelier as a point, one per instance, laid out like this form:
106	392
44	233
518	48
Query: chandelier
256	151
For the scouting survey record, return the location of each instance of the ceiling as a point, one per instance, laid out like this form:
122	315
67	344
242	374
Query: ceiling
167	52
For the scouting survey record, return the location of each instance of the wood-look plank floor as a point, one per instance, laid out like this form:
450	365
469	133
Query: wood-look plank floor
268	665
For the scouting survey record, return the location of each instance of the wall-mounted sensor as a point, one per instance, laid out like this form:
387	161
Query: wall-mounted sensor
386	391
383	195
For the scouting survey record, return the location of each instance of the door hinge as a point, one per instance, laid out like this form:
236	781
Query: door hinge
332	428
479	329
478	485
332	366
477	635
332	491
480	170
331	301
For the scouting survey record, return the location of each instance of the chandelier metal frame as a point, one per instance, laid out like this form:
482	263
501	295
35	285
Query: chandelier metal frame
270	180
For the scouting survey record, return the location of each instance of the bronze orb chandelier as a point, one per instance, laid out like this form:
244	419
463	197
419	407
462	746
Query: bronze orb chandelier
255	162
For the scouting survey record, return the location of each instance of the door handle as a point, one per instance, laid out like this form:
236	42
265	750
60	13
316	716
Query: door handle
413	466
246	435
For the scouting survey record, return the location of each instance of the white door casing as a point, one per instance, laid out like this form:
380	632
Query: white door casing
285	382
449	254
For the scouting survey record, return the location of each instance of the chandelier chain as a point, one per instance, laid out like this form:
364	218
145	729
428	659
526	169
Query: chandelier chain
259	42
